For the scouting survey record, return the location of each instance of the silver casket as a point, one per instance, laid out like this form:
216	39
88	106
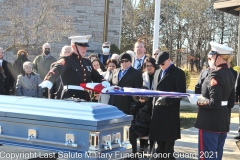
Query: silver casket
71	130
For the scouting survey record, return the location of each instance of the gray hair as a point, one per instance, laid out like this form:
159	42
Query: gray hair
131	53
27	63
64	48
45	45
115	56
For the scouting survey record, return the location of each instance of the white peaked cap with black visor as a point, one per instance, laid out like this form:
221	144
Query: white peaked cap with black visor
80	40
220	49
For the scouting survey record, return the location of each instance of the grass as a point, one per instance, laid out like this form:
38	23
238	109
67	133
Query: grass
193	81
192	84
188	116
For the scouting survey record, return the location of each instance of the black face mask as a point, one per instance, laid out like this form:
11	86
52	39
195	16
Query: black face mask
47	52
22	57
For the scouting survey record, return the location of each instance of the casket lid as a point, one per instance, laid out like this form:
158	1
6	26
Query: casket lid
41	109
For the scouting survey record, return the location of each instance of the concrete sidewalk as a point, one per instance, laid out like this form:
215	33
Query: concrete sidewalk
189	142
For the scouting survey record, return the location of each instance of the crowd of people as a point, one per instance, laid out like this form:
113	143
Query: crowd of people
158	118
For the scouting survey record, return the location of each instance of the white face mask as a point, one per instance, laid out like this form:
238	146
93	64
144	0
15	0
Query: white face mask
105	50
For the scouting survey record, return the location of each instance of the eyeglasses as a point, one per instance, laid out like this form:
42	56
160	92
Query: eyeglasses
162	64
155	54
124	61
105	46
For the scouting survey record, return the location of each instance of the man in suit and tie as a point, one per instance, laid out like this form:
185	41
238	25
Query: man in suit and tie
8	71
139	50
165	124
126	76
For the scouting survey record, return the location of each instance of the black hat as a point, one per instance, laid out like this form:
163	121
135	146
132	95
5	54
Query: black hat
125	55
163	56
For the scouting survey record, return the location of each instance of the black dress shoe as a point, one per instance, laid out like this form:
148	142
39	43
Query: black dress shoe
237	137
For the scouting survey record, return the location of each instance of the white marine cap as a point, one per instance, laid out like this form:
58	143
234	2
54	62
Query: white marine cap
80	40
219	49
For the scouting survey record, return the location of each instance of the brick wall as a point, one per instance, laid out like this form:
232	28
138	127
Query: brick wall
88	19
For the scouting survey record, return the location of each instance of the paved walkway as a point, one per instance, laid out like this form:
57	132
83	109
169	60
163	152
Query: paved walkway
188	143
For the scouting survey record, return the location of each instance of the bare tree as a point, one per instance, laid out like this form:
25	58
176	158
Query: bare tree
137	24
30	23
188	24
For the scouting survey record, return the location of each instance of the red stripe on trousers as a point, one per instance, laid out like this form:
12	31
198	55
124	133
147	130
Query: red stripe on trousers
201	143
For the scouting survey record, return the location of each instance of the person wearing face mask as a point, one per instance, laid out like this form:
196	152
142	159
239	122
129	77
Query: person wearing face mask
106	54
27	82
42	63
22	56
217	95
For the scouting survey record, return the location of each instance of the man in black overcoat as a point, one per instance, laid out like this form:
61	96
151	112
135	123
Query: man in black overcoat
8	71
126	76
165	124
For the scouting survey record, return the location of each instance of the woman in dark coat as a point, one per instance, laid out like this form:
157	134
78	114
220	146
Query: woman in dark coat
18	63
141	109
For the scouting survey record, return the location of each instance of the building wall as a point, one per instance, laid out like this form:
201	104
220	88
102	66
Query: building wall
88	19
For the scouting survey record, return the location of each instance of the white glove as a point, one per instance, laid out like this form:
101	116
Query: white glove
105	84
193	98
46	84
160	101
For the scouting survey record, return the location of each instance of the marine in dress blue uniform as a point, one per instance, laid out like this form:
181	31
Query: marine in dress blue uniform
74	69
218	93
